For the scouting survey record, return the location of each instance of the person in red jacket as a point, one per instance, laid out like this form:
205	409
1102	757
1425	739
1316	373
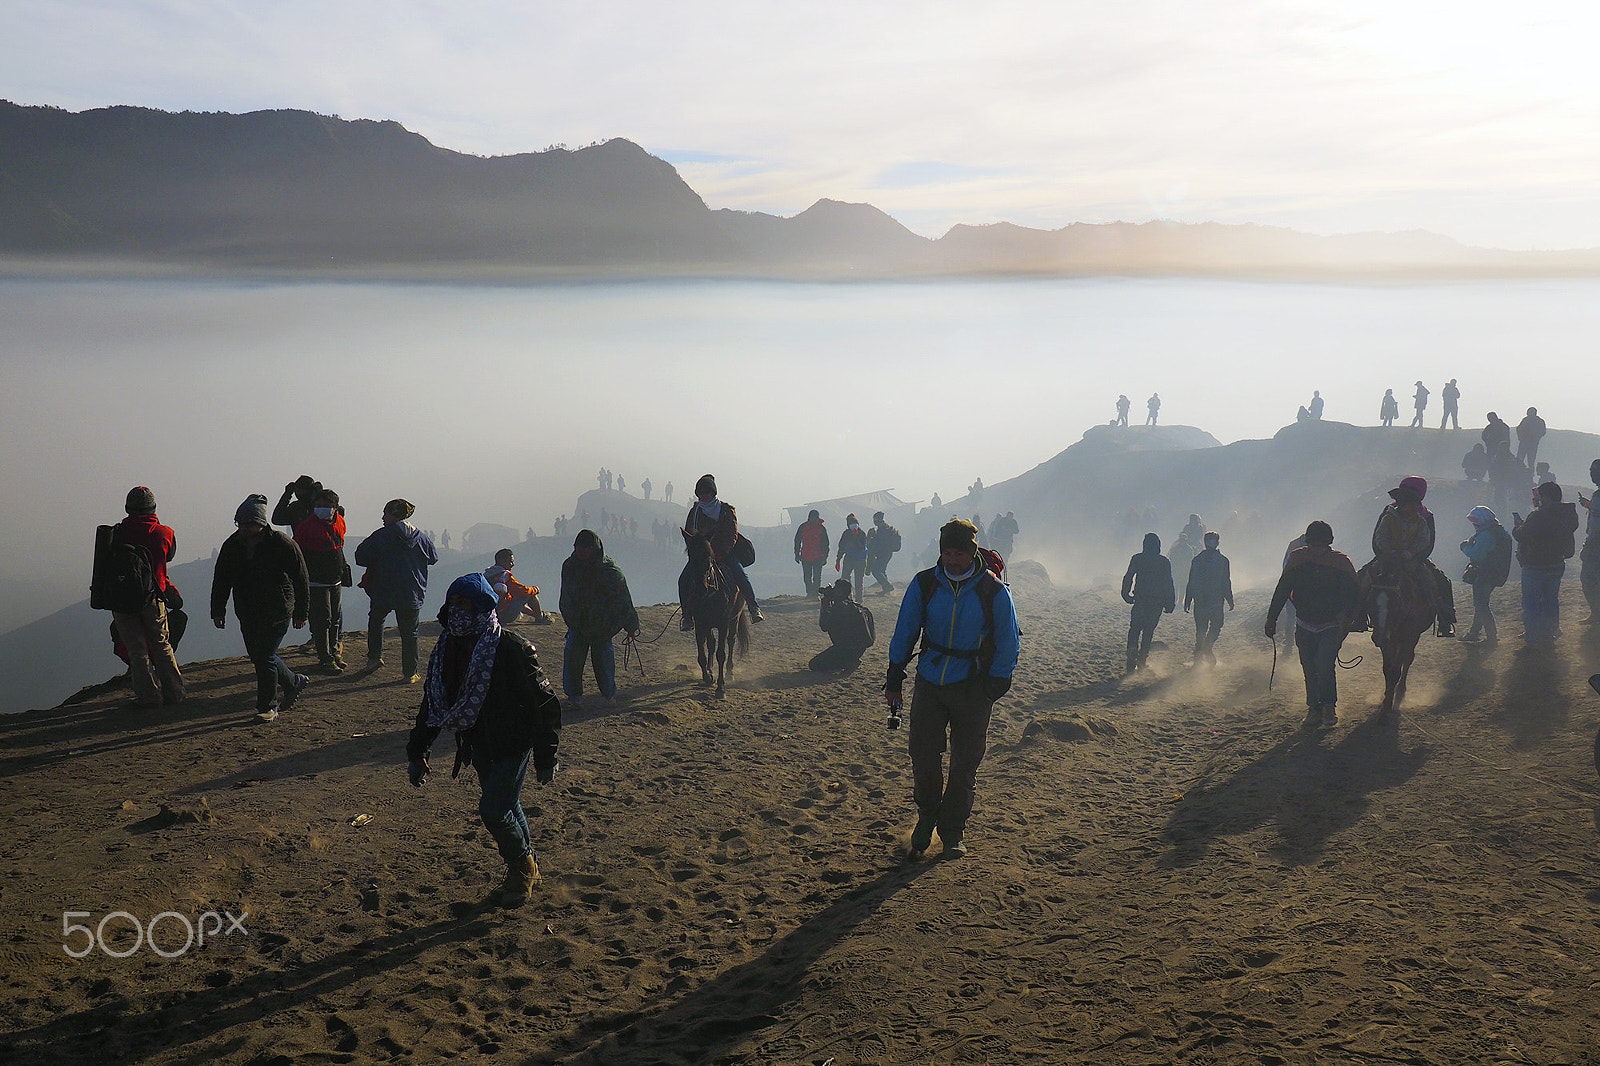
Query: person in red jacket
320	536
152	666
811	551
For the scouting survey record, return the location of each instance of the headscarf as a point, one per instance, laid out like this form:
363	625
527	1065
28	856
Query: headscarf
1481	516
481	620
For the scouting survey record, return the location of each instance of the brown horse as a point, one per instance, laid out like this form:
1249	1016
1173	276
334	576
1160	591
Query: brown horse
717	607
1399	614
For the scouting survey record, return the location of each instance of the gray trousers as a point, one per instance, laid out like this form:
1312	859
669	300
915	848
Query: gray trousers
962	711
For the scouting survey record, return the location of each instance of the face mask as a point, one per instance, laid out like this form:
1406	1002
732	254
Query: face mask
464	621
324	513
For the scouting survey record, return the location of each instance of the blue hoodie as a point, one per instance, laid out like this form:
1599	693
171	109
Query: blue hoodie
954	619
397	557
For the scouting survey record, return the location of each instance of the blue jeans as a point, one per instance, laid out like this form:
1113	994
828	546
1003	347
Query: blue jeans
500	806
261	643
599	652
1541	608
1319	659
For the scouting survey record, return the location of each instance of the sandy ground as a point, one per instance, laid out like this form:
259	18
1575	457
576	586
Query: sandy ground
1163	868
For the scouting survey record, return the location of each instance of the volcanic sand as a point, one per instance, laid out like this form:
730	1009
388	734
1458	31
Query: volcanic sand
1163	868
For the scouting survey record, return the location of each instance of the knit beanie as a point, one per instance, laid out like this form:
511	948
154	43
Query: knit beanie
707	483
960	534
141	501
253	509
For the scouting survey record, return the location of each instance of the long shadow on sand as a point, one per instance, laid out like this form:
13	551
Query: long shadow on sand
1307	789
374	749
1472	681
117	1030
701	1025
1537	704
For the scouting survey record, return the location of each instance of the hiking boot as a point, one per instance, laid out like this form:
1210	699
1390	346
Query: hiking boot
521	877
955	849
686	624
293	692
1313	718
1330	717
267	715
921	836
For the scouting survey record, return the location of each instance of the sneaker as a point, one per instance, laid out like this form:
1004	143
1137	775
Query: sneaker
1313	718
413	679
293	693
921	836
1447	629
267	715
955	849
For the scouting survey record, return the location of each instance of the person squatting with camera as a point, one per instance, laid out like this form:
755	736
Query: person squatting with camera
970	642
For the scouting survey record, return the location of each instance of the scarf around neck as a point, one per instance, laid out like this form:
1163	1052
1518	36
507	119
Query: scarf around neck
463	713
712	510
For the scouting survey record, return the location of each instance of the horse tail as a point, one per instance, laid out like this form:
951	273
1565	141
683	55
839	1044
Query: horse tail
741	635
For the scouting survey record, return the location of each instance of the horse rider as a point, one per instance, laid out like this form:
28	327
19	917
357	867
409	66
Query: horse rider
1402	540
710	517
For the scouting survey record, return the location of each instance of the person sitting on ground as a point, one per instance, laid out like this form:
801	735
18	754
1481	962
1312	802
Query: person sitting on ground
596	606
1402	540
484	682
1322	585
849	626
516	599
1475	464
710	517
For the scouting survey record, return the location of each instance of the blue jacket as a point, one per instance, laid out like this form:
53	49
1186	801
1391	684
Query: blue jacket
954	619
397	558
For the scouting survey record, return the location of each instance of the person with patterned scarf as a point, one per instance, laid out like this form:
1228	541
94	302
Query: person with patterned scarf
484	682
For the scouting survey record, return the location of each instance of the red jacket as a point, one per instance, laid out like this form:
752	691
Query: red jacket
147	531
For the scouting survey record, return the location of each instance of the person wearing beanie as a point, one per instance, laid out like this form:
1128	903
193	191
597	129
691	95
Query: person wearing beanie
811	545
1488	553
320	535
851	559
1147	585
1544	544
596	606
1321	583
397	556
883	540
967	625
485	684
146	637
297	502
710	517
265	573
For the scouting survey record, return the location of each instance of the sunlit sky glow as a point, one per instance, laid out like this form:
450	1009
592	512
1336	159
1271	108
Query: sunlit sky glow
1473	120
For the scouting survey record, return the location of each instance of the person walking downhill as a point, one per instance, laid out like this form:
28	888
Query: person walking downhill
320	536
1148	586
1544	544
811	550
1488	553
596	606
265	574
967	623
1321	583
152	664
1210	585
397	557
484	682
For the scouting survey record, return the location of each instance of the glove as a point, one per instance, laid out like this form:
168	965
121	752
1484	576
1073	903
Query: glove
995	687
897	676
1272	628
417	772
545	774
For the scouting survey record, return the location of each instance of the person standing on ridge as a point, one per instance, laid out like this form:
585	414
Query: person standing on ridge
397	557
811	544
264	572
1002	534
1530	431
1148	586
1123	404
152	663
1496	435
320	536
1420	401
1314	408
1389	409
1452	400
1210	585
1153	404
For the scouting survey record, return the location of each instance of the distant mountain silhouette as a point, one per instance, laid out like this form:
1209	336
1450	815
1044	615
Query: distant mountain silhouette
291	189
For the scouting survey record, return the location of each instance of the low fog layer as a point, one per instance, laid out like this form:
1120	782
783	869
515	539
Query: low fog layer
499	404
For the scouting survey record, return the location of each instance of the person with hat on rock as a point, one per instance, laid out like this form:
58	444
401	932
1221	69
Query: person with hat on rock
484	682
1322	585
811	545
710	517
596	606
397	557
152	664
1147	585
265	573
1420	401
970	644
1402	539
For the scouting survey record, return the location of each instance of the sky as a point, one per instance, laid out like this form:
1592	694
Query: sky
1480	122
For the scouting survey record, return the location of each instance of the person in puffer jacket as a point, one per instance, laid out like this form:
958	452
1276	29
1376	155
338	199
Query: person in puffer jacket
969	652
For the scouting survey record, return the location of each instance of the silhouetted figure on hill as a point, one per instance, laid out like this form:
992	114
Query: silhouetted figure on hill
1153	405
1452	399
264	573
1475	464
666	493
147	633
1147	585
1542	474
1507	477
935	503
1314	408
1123	406
1210	585
444	540
1530	431
975	491
1389	409
1496	434
1003	532
622	483
1420	401
645	487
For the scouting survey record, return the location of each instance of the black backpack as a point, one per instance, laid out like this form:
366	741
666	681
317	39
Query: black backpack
124	579
1497	566
889	540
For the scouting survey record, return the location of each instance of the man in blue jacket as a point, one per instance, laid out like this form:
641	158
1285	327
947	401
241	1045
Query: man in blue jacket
970	644
397	558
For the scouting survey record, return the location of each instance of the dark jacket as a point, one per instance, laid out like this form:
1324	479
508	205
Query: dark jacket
848	624
322	544
1321	584
595	601
852	544
1544	539
1530	430
291	509
1210	580
268	582
520	711
1496	433
397	557
1149	581
724	531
